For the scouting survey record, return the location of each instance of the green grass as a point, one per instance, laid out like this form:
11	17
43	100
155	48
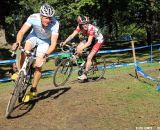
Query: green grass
114	71
133	103
120	101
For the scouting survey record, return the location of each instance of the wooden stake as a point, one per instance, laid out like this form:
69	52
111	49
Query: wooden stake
134	57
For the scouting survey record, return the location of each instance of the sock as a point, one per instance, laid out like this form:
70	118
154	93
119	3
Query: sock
33	89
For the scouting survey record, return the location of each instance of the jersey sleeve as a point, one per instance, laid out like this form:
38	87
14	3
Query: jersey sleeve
30	20
55	28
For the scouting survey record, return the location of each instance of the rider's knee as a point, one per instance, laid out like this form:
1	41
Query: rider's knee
89	58
28	45
40	61
39	69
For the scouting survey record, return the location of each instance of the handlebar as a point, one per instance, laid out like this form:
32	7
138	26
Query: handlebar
72	48
22	50
67	48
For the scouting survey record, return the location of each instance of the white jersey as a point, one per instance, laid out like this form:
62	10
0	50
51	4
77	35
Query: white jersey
34	20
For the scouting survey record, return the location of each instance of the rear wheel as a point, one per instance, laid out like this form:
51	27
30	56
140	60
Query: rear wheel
62	72
97	69
15	95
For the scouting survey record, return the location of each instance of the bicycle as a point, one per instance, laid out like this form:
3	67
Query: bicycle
65	68
23	81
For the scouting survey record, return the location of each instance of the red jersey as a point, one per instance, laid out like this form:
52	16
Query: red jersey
92	31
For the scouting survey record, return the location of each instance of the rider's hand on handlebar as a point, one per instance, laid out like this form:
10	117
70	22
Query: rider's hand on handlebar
79	51
62	44
15	46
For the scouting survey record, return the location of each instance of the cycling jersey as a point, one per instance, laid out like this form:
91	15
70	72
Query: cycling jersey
92	31
44	34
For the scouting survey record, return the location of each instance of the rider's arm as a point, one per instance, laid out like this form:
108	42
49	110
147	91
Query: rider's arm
21	33
70	37
88	43
52	47
54	38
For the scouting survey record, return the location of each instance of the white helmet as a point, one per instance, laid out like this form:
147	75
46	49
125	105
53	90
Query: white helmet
47	10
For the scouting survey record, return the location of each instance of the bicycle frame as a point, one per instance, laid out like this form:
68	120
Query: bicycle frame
28	61
74	57
64	69
22	82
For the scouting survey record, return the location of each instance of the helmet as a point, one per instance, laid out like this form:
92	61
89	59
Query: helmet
83	20
47	10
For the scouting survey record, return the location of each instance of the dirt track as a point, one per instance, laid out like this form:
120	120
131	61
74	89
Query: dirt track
77	107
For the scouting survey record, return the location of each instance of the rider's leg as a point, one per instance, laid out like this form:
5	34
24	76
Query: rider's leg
88	65
94	50
37	76
80	45
40	60
33	90
89	60
28	46
20	59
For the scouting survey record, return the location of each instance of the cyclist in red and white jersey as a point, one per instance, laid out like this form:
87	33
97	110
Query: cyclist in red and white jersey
94	39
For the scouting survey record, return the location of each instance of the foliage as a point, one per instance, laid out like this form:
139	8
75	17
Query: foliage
114	17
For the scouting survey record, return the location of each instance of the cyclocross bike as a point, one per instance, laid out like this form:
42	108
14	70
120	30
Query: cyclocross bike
23	81
65	68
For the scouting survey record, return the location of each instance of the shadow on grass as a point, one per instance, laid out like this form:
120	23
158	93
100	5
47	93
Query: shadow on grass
24	108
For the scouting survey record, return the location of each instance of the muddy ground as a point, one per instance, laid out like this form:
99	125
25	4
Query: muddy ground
78	106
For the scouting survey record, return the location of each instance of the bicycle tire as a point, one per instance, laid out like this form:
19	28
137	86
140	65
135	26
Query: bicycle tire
15	95
62	72
26	84
97	69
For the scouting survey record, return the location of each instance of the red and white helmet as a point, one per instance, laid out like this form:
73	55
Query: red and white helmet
83	20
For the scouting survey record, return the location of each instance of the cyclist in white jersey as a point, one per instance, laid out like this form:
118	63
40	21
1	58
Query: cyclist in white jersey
44	33
94	39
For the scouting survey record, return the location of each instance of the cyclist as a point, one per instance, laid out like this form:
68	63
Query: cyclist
44	33
93	38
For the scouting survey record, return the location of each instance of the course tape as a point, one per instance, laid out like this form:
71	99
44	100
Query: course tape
13	60
108	67
140	71
128	49
100	52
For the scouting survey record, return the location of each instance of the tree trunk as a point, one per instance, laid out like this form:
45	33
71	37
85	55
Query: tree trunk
3	42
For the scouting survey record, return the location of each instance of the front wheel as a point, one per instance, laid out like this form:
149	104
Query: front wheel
97	69
15	95
26	84
62	72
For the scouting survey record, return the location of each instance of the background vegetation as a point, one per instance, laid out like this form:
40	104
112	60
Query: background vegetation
114	17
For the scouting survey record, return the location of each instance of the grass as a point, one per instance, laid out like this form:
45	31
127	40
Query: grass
120	102
131	102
